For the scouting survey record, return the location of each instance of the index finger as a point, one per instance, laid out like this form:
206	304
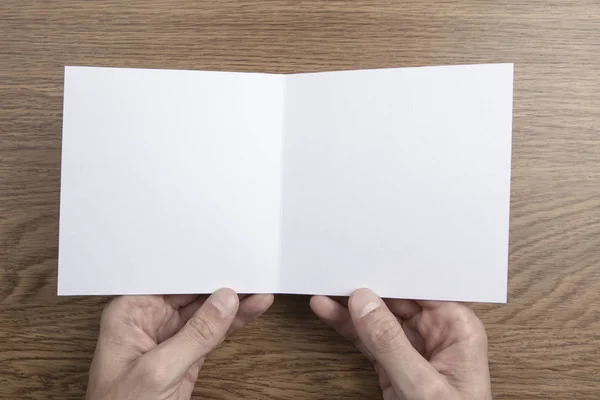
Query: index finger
199	336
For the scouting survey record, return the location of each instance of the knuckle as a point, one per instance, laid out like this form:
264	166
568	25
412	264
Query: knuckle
151	373
472	327
109	309
111	317
468	326
461	314
120	303
477	331
435	389
121	309
202	329
117	318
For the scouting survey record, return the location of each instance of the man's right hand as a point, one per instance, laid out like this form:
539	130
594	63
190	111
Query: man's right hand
422	350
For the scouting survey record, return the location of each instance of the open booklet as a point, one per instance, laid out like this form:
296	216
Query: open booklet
186	181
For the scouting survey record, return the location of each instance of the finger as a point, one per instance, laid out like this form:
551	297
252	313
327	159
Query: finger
405	309
179	300
185	313
251	307
343	300
184	309
334	314
382	334
338	317
448	315
188	311
414	337
430	304
189	380
448	323
200	335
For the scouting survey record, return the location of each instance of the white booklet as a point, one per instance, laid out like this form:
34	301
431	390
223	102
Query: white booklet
321	183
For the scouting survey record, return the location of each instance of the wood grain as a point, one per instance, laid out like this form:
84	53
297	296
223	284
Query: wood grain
543	345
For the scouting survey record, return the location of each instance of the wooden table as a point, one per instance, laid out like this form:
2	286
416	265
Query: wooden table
543	345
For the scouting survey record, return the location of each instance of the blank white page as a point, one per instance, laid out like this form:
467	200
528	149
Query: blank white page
171	181
398	180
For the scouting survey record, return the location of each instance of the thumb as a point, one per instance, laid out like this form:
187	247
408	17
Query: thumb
200	335
382	334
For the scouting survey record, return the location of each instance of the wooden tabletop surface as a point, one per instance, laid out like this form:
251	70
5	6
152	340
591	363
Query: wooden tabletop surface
545	344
